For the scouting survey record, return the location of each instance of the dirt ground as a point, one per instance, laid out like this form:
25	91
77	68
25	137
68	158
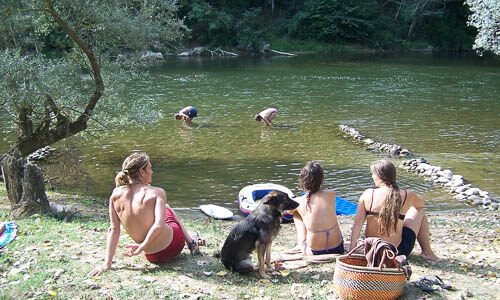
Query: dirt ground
466	241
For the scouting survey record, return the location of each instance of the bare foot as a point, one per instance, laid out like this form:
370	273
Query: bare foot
431	257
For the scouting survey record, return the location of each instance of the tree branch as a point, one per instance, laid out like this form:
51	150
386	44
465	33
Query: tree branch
84	117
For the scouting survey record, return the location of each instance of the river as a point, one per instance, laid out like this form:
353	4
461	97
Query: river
445	109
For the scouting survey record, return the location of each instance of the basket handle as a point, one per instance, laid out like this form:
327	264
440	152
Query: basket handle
390	256
360	245
387	255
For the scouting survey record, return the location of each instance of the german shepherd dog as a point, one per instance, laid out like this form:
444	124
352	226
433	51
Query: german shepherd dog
256	231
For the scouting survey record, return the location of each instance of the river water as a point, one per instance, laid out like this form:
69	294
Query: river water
443	109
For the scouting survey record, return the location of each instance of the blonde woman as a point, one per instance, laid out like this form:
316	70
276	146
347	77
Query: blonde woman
144	213
394	215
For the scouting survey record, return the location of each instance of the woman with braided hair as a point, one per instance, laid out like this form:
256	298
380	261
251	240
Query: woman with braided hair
143	211
315	219
394	215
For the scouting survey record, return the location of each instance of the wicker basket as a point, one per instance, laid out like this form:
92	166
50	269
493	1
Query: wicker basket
354	280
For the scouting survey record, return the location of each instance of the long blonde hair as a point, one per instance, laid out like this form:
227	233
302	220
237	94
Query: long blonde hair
311	179
131	167
391	207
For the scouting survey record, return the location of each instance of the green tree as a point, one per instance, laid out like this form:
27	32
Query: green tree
50	99
485	18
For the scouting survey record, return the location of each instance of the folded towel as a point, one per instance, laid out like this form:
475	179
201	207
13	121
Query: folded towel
9	234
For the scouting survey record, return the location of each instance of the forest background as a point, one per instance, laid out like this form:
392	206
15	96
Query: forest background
293	25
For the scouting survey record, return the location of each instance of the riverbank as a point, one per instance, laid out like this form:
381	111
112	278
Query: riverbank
51	259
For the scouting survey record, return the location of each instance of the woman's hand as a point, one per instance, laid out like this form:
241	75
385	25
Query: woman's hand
133	249
98	271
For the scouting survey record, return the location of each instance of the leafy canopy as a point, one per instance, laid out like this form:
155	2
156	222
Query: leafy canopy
54	71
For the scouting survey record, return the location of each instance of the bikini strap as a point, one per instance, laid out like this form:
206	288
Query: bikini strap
371	203
404	201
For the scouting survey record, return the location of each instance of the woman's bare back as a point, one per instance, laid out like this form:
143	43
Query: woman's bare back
375	204
319	218
135	206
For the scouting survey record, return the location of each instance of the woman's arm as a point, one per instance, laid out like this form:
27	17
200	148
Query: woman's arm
154	230
359	220
112	240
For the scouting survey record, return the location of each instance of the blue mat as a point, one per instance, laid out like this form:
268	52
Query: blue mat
9	234
344	207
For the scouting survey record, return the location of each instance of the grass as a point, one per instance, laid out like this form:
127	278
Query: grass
50	259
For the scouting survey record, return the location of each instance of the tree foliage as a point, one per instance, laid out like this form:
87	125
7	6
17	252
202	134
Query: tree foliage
485	18
51	97
59	56
379	24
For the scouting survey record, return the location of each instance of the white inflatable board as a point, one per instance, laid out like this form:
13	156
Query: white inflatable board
216	211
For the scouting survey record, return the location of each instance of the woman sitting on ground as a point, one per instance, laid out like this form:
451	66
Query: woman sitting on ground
396	216
143	211
315	219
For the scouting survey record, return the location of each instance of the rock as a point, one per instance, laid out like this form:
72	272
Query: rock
152	55
494	206
457	182
468	294
462	188
472	191
484	194
441	180
423	167
369	141
447	174
404	152
476	201
461	197
427	173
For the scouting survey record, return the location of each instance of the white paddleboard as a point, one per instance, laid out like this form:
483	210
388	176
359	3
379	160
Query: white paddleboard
216	211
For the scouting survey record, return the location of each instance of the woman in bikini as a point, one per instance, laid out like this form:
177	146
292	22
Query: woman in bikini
315	219
396	216
144	213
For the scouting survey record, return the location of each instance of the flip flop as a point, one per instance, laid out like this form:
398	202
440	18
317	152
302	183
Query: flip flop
441	283
425	284
198	239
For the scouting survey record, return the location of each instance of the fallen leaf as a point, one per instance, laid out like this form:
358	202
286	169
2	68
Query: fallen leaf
221	273
51	292
207	273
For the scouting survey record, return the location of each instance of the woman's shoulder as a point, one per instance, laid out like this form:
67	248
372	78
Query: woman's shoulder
156	190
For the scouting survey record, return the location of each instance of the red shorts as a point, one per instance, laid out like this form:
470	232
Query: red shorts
175	247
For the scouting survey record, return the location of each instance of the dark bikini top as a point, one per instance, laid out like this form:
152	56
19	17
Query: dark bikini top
371	213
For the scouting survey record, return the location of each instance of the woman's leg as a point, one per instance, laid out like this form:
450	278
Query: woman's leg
416	220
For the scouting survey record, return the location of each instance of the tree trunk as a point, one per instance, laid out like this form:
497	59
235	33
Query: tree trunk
25	186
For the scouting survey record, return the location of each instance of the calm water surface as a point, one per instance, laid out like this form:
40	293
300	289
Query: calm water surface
445	110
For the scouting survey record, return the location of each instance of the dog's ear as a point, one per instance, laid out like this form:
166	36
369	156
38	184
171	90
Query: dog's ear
271	199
